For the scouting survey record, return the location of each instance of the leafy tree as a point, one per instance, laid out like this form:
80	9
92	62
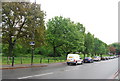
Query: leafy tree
63	34
100	47
75	39
96	47
115	48
57	27
20	20
112	49
89	43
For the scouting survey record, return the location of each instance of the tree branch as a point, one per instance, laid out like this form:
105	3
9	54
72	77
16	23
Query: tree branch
19	31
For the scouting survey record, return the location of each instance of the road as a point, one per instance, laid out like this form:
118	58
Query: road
97	70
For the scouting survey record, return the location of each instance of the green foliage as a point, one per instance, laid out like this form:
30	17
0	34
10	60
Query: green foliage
100	47
4	48
65	35
89	43
44	51
22	22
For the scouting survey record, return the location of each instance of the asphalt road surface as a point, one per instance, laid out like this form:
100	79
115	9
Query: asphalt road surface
107	69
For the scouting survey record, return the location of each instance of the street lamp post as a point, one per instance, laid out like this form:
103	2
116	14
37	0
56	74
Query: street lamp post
33	38
32	44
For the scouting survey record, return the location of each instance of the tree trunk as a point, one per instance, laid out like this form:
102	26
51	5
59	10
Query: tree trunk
10	48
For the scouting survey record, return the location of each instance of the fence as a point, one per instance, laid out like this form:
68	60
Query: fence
36	60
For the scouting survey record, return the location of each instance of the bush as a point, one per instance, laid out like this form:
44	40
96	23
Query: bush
44	50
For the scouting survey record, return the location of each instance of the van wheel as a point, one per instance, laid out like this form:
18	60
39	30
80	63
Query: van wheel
68	63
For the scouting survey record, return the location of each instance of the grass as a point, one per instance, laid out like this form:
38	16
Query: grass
36	60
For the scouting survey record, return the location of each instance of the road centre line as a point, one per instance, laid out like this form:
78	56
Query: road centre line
35	75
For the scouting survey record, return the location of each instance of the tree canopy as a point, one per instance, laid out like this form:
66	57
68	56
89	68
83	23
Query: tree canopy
23	22
19	21
64	34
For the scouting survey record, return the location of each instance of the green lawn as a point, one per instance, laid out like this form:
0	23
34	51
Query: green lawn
37	59
27	60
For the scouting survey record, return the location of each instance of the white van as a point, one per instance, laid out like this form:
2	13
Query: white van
74	59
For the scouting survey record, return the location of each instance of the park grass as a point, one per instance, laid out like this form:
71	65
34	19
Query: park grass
36	60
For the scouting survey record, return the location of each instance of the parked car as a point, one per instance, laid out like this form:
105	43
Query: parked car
115	56
74	59
107	57
88	59
103	58
112	57
96	58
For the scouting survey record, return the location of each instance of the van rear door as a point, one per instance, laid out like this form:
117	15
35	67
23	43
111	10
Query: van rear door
70	58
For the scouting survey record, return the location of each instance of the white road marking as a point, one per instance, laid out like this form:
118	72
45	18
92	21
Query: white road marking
35	75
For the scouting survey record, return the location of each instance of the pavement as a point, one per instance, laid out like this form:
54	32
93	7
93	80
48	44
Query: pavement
18	66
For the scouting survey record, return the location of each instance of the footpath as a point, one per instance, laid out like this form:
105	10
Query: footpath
18	66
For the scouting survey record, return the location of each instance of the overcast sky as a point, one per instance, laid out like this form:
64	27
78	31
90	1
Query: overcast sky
100	17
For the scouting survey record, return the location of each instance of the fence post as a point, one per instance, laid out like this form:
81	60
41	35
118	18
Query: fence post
54	59
7	60
21	59
48	60
40	60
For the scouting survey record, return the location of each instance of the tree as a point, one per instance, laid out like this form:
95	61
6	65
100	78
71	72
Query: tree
64	34
21	22
57	28
75	39
112	49
115	48
89	43
100	47
96	47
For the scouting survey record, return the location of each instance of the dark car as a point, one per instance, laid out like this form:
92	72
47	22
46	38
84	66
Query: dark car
88	60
